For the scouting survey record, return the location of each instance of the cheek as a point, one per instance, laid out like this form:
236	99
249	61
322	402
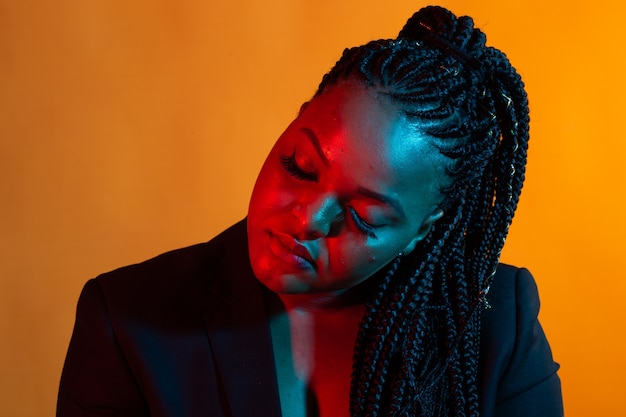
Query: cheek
271	191
353	260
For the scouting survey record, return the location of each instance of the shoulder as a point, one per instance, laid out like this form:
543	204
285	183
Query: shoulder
512	307
176	281
134	321
513	292
177	266
512	301
517	369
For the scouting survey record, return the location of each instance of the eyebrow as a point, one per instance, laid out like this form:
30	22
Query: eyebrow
392	202
316	144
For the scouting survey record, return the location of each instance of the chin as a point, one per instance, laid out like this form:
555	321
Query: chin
288	284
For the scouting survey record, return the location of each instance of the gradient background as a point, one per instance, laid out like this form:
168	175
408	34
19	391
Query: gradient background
128	128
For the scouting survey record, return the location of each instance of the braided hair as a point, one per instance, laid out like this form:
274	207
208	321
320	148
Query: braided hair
417	348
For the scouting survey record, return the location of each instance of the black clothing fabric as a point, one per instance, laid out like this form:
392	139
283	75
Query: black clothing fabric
187	334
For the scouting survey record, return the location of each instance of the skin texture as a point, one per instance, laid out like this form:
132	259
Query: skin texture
348	186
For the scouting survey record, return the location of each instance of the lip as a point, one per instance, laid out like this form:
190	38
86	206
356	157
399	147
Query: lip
287	247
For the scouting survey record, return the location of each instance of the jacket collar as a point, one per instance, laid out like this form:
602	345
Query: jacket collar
237	326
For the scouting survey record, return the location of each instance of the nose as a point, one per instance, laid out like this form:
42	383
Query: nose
317	217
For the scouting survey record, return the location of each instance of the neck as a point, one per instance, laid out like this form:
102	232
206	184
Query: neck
336	301
322	302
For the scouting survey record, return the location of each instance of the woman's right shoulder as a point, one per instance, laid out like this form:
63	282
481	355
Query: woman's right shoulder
175	266
173	278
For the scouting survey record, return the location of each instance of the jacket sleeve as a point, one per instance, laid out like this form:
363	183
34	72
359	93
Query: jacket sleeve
96	380
519	375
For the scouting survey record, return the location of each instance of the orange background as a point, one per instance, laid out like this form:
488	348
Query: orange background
128	128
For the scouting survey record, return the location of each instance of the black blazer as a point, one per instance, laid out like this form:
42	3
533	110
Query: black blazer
186	334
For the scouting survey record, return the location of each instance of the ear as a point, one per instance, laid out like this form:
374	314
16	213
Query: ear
303	107
424	229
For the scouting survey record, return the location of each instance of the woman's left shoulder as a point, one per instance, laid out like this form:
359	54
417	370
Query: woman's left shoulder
509	315
511	288
518	373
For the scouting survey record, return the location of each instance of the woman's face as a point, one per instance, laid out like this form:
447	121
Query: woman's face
347	187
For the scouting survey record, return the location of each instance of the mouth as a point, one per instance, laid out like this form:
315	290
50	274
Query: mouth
288	248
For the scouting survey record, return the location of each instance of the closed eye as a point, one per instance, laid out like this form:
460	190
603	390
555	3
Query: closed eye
362	225
291	166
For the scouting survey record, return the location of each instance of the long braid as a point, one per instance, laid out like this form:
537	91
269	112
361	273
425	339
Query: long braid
417	349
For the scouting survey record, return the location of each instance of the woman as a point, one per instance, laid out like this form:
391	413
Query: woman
365	279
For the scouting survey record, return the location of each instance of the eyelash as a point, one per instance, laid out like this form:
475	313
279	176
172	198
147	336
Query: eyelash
291	166
362	225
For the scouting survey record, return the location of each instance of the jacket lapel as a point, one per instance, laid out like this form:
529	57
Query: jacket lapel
242	350
238	330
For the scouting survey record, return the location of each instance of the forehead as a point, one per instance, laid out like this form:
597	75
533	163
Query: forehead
364	127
